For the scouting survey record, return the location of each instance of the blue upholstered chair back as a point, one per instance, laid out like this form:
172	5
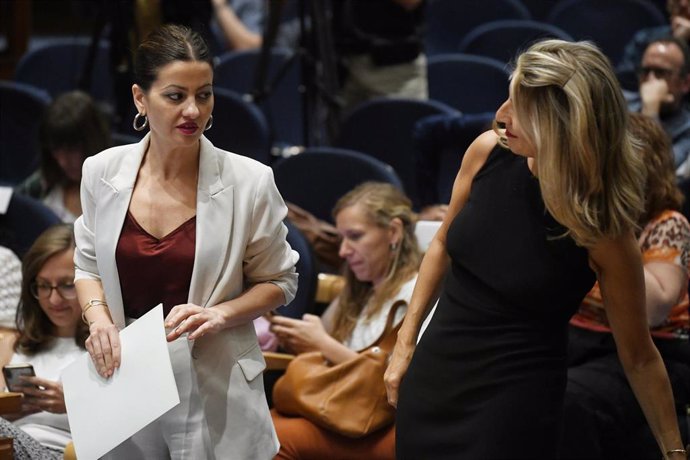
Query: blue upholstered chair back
308	275
315	179
25	220
58	66
468	83
609	23
448	21
283	105
503	40
239	126
21	110
383	129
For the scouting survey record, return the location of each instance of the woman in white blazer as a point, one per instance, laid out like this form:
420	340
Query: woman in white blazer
175	220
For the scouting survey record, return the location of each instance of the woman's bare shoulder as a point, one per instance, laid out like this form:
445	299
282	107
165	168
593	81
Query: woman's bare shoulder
479	151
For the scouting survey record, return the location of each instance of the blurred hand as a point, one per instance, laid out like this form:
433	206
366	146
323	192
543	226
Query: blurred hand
397	367
299	335
680	27
49	397
195	320
103	344
654	92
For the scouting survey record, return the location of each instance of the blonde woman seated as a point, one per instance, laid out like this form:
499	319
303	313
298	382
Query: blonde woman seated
376	223
50	336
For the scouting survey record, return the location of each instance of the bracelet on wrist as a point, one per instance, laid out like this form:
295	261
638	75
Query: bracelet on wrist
91	303
675	451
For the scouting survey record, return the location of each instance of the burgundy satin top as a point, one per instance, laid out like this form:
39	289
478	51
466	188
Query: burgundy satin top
154	270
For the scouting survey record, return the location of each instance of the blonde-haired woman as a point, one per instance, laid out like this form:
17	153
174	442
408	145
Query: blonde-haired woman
602	419
376	223
526	235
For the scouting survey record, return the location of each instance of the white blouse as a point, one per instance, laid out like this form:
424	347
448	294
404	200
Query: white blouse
368	330
51	430
55	200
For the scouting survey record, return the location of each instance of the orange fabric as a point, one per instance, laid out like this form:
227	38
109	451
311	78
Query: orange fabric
302	440
665	238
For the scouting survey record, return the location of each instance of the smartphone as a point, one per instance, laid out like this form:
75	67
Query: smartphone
12	374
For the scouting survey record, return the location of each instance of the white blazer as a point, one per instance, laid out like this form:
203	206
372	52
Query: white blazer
240	241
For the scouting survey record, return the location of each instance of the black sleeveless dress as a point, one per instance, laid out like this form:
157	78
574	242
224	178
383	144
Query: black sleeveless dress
488	376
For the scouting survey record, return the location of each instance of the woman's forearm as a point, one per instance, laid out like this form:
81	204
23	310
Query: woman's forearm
335	352
88	290
431	272
254	302
239	37
649	382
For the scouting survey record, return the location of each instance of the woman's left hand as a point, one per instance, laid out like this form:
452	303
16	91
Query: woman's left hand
47	395
298	335
195	320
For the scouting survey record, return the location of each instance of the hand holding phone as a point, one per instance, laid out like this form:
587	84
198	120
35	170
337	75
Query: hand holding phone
13	374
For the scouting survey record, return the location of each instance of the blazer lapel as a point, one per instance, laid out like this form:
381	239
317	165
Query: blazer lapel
214	216
112	211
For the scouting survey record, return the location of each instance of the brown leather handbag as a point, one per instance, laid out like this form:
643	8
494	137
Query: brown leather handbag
348	398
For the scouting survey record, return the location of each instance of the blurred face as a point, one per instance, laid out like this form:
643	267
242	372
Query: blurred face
70	161
517	140
664	61
679	8
179	102
366	247
58	273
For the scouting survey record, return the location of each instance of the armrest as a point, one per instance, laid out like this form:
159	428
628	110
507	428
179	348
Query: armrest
277	361
329	287
10	402
70	453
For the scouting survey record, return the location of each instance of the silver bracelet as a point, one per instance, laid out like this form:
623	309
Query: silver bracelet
675	451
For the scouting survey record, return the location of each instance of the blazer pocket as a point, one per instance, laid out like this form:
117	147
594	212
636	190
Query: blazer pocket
252	363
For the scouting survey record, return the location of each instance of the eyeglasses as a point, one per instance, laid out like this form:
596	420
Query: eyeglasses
43	291
659	72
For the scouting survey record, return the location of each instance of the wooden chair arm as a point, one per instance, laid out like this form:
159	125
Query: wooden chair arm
328	288
70	453
277	361
10	402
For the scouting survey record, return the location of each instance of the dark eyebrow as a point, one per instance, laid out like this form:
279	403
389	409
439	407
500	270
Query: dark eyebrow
185	89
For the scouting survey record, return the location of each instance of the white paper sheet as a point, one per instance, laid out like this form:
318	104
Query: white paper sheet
5	196
103	413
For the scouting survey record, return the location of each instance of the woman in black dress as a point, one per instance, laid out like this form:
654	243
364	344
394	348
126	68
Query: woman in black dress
528	230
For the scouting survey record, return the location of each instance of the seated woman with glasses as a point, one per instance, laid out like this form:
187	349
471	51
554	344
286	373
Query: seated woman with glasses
50	335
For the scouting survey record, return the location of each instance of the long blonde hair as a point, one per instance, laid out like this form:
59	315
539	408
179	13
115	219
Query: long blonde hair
571	107
381	203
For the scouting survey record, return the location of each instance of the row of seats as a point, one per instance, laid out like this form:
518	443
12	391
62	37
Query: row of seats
240	127
449	22
465	82
382	129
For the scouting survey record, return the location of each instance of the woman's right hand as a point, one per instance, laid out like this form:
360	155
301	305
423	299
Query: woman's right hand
103	345
397	367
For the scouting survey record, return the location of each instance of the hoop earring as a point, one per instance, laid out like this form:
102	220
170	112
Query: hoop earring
143	126
209	123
